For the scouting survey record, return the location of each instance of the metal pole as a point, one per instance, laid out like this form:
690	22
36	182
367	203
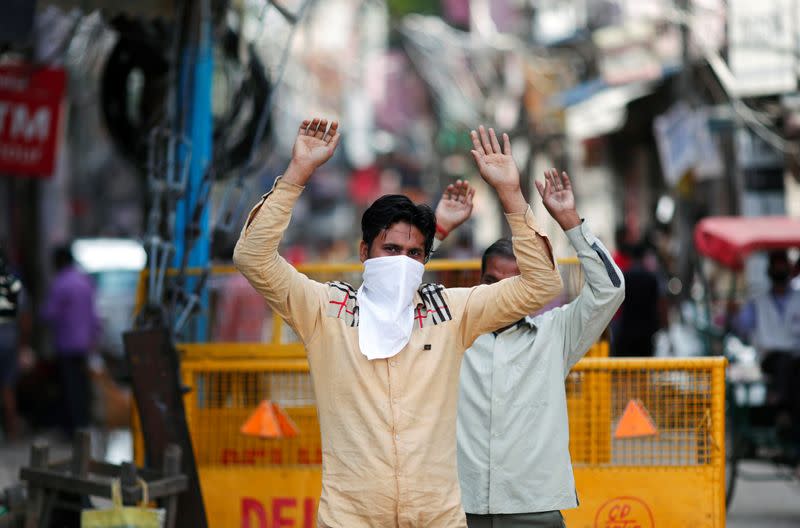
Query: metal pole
196	77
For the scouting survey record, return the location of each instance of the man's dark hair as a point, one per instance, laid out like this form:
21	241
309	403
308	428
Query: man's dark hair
778	256
502	248
392	208
62	257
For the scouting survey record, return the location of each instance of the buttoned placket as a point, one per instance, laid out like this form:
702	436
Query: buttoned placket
497	414
494	414
391	372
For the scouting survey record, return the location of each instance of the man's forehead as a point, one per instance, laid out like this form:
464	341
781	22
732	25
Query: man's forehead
400	228
401	231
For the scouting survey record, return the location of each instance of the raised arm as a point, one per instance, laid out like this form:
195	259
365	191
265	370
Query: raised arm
583	320
489	307
454	208
292	295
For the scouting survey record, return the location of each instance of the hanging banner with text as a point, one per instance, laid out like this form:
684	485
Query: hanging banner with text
30	114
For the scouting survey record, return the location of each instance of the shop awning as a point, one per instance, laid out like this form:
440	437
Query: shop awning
605	111
595	108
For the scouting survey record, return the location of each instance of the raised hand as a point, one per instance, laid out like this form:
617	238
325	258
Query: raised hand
455	206
498	169
496	166
315	144
558	199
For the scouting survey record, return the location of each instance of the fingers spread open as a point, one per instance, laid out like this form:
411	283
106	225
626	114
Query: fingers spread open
321	128
312	127
506	145
304	127
565	181
487	145
448	192
553	179
332	131
476	142
495	143
549	186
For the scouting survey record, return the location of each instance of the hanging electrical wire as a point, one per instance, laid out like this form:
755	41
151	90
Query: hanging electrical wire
229	214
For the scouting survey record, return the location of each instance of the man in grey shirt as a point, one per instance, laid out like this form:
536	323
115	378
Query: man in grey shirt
513	433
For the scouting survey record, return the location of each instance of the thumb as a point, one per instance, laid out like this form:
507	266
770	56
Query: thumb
335	141
540	188
476	157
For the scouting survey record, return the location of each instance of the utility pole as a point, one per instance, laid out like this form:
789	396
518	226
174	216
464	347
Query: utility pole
192	233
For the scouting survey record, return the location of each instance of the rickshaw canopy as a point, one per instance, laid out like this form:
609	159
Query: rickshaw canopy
730	239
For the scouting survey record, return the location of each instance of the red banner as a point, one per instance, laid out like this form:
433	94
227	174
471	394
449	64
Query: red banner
30	115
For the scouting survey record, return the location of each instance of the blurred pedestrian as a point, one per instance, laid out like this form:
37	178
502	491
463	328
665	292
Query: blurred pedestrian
643	312
69	310
771	322
10	299
622	253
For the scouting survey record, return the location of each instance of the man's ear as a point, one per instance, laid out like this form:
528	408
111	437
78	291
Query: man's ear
363	251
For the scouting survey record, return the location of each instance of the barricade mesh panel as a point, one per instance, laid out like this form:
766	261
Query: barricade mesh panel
677	402
223	399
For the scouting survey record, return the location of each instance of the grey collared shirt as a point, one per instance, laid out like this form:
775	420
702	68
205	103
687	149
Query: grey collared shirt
513	434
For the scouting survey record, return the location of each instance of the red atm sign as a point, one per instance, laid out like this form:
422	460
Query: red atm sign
30	115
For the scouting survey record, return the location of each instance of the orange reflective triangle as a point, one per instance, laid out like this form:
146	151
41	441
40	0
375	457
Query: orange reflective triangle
269	421
635	422
288	428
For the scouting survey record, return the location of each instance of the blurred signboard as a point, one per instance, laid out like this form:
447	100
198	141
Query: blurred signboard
626	53
30	117
761	51
684	143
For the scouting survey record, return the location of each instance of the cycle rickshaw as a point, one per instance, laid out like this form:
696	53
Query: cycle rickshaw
755	429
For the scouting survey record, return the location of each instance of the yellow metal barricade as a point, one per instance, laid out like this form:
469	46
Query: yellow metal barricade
671	476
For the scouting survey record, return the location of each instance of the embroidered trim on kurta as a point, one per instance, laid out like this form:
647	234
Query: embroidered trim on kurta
433	310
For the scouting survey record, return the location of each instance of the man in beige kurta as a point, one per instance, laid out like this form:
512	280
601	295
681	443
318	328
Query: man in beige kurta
389	425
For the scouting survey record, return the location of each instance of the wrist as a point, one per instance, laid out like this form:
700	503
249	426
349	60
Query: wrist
298	172
508	188
441	231
568	220
512	200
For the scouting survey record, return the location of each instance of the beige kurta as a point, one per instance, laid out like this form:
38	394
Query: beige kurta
389	425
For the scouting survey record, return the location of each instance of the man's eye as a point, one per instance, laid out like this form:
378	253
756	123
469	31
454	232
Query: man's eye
415	253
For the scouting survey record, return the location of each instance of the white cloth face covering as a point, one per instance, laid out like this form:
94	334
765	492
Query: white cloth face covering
385	311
